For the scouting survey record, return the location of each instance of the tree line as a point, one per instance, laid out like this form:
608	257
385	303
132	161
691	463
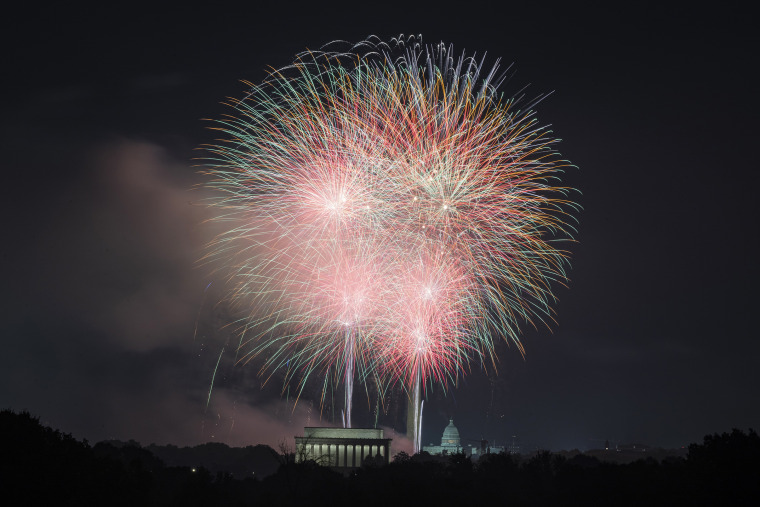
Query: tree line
42	466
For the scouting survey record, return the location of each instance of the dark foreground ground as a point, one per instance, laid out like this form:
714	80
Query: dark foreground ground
42	466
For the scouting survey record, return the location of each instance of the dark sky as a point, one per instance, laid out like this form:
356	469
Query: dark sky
108	330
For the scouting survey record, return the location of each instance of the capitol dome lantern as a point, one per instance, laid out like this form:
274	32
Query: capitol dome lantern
450	435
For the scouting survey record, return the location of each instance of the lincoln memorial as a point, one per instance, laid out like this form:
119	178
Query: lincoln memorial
342	447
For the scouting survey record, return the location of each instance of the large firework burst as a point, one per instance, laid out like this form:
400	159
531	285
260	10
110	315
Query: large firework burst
391	214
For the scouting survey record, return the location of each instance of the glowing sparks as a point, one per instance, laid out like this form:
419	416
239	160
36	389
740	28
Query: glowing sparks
392	214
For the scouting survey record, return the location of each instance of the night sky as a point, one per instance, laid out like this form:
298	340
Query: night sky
109	326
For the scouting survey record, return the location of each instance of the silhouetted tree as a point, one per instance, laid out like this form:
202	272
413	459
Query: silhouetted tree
725	468
41	466
401	458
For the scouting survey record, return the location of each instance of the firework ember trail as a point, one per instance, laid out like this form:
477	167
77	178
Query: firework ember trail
388	215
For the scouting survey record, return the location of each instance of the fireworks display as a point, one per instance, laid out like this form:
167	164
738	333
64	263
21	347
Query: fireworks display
390	215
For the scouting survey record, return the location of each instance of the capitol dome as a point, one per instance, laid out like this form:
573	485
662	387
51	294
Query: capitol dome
450	435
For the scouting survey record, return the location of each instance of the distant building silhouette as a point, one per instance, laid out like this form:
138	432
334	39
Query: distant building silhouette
514	447
632	447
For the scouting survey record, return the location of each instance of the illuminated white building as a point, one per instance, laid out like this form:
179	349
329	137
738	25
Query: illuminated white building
342	447
450	442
